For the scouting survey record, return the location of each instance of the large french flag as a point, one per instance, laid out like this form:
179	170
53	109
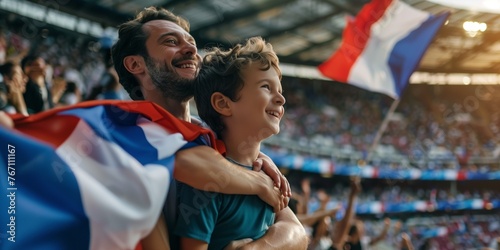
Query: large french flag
93	176
382	46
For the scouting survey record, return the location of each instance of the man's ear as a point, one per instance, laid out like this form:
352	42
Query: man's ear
221	104
134	64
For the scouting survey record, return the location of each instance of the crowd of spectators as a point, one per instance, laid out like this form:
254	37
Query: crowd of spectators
456	232
451	229
439	232
389	191
73	67
430	129
398	194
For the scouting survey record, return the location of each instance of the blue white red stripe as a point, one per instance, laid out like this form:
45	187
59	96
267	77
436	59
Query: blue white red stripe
93	176
383	46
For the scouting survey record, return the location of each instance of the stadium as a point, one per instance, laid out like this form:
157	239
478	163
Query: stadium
428	153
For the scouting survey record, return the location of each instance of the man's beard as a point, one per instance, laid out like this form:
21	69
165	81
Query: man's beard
169	82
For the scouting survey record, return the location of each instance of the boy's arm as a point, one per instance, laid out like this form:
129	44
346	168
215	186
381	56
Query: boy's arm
204	168
193	244
285	233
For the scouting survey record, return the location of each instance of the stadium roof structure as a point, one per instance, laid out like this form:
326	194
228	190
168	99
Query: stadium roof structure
306	32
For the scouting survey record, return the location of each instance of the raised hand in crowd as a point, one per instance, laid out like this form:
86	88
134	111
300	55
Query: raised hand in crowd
341	228
5	120
12	88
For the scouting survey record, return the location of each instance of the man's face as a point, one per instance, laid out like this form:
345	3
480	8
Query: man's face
173	61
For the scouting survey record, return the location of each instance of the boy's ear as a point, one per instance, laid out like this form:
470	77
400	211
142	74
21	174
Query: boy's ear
220	103
134	64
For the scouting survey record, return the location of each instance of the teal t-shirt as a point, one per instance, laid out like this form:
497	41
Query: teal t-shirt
218	218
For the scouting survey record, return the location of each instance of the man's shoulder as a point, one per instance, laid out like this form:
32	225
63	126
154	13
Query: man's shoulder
196	120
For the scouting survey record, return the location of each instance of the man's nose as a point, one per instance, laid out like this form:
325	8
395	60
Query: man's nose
189	48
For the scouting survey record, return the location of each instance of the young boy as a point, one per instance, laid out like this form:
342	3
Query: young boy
238	94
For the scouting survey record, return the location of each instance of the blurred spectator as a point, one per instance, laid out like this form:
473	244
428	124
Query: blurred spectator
358	240
112	89
3	47
12	88
38	95
71	95
108	86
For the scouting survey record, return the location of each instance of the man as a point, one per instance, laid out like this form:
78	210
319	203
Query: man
156	59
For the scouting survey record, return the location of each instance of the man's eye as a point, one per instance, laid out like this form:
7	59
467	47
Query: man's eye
172	41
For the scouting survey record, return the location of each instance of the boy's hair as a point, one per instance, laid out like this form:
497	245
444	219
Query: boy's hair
221	71
132	41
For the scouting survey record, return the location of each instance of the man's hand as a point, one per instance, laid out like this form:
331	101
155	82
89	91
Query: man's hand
267	165
272	195
238	244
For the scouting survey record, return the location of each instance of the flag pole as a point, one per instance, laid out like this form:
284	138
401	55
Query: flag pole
381	130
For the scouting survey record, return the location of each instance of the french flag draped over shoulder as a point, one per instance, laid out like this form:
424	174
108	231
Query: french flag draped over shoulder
93	176
383	46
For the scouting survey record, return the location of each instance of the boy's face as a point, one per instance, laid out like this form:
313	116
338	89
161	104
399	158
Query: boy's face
259	109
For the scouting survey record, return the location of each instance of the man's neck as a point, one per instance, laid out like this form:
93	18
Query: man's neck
174	107
178	109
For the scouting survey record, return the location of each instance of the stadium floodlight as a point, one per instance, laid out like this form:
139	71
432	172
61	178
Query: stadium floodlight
473	28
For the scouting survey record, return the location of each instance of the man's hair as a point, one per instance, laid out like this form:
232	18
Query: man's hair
132	41
221	71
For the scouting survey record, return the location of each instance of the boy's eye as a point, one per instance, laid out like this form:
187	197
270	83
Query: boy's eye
266	86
